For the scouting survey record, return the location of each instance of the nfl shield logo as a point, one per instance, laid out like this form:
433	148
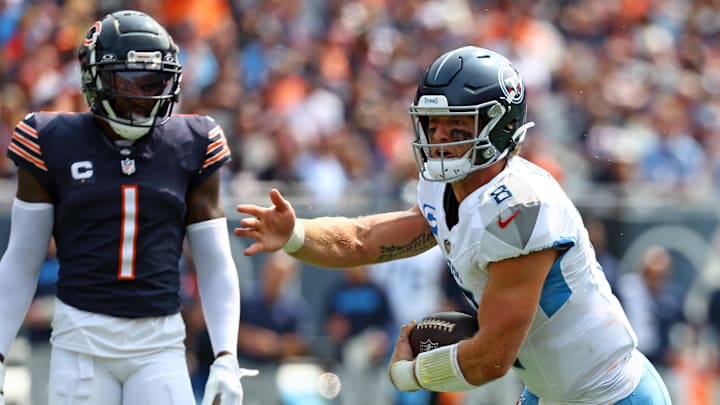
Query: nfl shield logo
446	243
128	166
427	345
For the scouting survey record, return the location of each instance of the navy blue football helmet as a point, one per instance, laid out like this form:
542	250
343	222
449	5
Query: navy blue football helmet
130	72
469	81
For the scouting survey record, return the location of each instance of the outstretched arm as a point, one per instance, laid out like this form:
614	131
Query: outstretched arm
336	242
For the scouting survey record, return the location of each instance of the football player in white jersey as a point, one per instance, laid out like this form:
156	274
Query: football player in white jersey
513	240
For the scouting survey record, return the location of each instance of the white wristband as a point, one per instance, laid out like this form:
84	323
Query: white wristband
438	370
297	238
402	375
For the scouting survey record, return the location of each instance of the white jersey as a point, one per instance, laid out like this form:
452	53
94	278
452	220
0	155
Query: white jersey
580	347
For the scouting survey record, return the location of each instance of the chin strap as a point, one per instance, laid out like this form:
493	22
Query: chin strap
519	136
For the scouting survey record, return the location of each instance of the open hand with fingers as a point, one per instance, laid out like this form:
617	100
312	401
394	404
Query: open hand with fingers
271	227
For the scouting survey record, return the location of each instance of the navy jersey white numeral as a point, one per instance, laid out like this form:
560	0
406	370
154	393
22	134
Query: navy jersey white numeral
119	212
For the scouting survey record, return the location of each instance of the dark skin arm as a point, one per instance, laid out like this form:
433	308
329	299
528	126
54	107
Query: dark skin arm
30	190
204	203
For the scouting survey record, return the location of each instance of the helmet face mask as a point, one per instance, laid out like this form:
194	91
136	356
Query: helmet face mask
474	82
134	96
480	152
130	73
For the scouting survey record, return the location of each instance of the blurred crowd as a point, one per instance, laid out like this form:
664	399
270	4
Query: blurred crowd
316	92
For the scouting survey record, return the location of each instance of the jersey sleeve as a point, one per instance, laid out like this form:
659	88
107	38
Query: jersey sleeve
217	153
24	148
27	145
522	223
531	229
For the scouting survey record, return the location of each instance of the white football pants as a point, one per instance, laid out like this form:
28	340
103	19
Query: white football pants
160	379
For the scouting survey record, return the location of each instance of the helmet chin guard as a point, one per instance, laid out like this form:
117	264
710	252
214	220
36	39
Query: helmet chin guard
129	132
446	170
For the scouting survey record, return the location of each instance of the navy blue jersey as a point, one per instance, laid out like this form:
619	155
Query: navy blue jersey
119	211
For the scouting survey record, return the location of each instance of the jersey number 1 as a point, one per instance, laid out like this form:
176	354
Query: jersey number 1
128	233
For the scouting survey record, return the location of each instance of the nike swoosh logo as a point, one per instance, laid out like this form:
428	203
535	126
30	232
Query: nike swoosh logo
502	223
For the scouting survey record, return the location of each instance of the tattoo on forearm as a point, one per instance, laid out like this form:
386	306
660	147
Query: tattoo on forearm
417	245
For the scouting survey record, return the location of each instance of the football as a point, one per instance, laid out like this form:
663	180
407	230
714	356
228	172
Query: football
441	329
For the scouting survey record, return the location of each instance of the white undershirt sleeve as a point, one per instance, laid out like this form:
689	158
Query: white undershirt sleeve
218	283
30	231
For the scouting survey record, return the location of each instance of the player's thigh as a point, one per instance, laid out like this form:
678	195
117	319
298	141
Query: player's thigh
160	379
650	391
76	379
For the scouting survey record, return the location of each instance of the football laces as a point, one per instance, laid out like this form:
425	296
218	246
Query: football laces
436	324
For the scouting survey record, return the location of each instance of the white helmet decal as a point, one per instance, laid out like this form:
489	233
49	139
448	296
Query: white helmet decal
511	83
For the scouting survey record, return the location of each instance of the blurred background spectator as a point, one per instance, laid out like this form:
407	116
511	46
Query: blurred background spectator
607	259
414	287
316	91
313	97
357	324
654	307
274	326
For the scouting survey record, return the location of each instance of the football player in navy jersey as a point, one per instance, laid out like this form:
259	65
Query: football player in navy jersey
119	188
513	241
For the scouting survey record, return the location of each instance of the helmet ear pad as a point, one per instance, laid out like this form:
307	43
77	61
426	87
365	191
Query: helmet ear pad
502	136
